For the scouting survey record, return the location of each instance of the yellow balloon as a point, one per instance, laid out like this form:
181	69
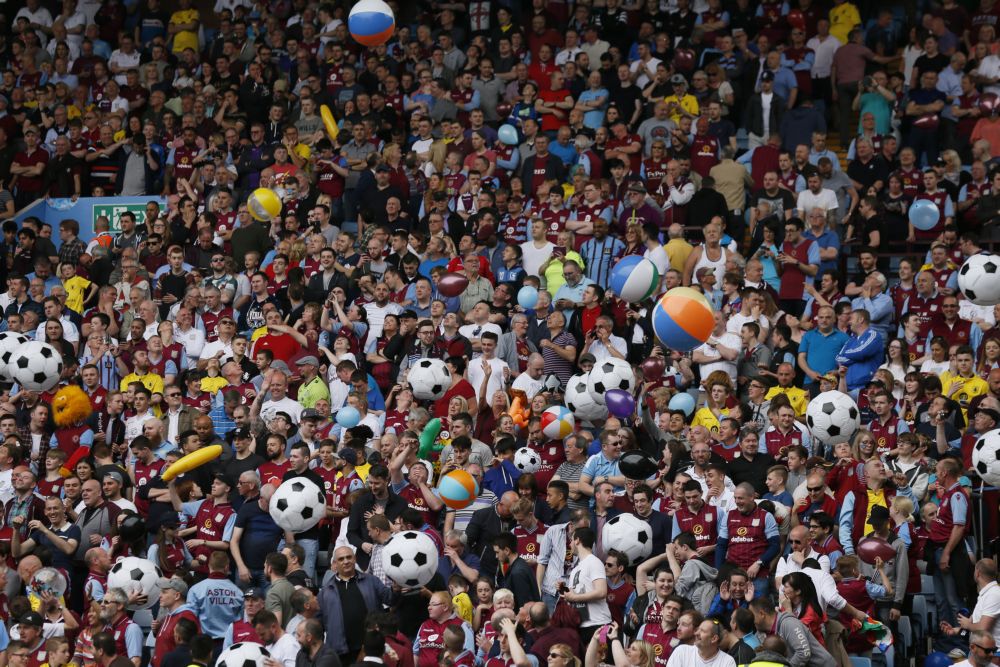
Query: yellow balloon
264	204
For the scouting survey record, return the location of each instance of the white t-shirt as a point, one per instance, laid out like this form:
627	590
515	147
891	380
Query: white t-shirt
475	332
528	385
210	350
581	580
988	604
989	68
475	374
807	201
292	407
284	650
193	341
732	341
534	257
765	104
688	656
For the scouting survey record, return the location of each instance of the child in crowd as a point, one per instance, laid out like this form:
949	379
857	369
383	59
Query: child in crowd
775	481
458	586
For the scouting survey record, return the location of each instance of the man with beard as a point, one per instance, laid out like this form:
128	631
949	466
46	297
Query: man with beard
277	463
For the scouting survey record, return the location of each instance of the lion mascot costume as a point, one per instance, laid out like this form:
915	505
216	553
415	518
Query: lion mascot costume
70	410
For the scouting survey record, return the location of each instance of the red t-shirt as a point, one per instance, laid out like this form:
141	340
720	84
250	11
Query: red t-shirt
282	345
463	389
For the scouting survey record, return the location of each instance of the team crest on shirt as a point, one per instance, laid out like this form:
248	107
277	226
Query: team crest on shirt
698	529
219	518
208	523
741	531
755	523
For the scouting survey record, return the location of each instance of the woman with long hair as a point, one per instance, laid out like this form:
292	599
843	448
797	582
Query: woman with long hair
55	336
989	357
897	362
939	361
385	357
913	397
863	446
801	600
168	551
561	655
633	241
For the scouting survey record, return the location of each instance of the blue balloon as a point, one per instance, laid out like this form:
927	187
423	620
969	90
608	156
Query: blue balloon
924	214
527	297
348	417
683	402
508	135
937	659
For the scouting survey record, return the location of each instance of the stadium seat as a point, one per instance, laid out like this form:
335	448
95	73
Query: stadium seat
906	637
919	617
858	661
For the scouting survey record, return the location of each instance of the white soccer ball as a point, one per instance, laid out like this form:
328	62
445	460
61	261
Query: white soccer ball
410	559
297	505
630	535
243	654
429	379
612	373
132	574
979	279
10	342
36	366
527	459
581	402
986	457
833	417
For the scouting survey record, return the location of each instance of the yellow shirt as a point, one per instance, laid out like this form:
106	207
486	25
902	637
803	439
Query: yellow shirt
874	498
689	103
799	398
151	381
678	251
705	417
842	19
554	272
964	390
463	606
76	288
185	39
213	385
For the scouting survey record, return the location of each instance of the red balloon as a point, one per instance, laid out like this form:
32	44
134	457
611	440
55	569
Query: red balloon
989	103
797	19
684	60
871	548
453	284
652	368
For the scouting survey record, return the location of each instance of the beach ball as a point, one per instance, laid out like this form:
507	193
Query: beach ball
557	422
264	205
458	489
682	319
371	22
924	215
634	278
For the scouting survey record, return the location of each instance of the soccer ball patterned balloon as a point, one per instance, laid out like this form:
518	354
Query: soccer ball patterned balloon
410	559
10	342
297	505
581	402
833	417
527	460
36	366
243	654
611	373
429	379
136	574
986	457
979	279
630	535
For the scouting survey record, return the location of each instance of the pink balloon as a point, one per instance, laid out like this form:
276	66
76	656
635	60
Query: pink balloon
988	103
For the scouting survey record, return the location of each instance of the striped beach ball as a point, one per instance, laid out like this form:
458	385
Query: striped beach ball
557	422
371	22
682	319
264	204
634	278
458	489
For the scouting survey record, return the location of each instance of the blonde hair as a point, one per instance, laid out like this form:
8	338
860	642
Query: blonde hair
648	658
903	507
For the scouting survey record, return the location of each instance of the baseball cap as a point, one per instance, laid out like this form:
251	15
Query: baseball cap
830	377
767	75
224	478
242	433
349	455
280	365
308	360
991	413
173	583
383	168
116	476
32	618
678	79
253	592
637	187
310	413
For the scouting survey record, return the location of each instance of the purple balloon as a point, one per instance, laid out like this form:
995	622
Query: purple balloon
620	403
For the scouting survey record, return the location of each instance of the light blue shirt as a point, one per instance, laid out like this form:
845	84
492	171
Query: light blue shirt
574	294
595	118
599	465
821	350
815	156
218	603
881	310
949	83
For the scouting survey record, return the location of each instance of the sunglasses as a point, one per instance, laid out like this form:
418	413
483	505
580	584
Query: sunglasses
558	655
814	489
987	651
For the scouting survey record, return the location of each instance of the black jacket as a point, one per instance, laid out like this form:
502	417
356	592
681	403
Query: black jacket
520	580
554	169
357	527
753	116
483	527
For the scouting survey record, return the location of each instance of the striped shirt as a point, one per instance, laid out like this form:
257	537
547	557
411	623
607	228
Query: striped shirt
600	257
110	378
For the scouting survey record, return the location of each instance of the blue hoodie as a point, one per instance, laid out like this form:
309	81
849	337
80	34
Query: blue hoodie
862	355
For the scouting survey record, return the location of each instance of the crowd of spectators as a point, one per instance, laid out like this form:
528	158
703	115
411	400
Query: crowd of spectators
691	132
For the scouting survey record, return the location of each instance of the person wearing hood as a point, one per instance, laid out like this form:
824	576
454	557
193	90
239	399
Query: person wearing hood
173	601
804	650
